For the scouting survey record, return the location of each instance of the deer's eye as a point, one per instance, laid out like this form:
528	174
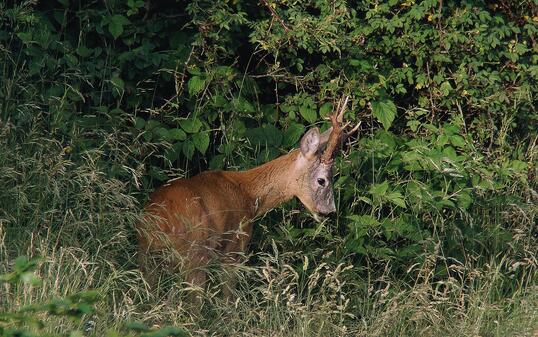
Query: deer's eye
321	181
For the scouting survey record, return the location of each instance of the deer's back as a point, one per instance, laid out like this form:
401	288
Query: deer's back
196	215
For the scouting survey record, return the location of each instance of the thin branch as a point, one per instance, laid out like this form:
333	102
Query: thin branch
276	16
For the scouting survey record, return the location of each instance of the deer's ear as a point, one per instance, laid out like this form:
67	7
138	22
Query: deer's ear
324	137
310	143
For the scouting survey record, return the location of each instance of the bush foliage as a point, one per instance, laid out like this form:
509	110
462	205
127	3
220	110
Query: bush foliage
102	101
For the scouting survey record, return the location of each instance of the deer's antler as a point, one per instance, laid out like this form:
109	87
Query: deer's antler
338	133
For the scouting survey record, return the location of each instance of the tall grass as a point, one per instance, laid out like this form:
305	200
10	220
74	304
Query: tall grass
79	218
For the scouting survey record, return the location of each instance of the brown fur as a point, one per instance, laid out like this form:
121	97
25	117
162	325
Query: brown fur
210	215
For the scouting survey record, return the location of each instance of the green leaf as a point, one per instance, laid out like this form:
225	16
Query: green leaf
115	25
201	141
219	101
308	113
188	149
518	165
379	190
464	200
173	152
117	82
217	162
191	125
385	112
364	220
445	88
361	224
292	134
325	109
396	198
83	51
227	148
152	124
177	134
30	278
457	141
268	135
21	262
161	132
195	85
25	36
242	105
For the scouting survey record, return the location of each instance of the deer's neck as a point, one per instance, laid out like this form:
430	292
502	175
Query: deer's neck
270	184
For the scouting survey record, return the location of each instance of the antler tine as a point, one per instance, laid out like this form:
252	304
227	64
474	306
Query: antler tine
337	133
340	116
352	131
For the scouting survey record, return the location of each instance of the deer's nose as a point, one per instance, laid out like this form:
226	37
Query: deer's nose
329	208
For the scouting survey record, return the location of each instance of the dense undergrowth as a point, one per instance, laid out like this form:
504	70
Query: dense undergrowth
436	225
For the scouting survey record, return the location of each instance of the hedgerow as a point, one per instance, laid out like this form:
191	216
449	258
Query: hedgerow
441	178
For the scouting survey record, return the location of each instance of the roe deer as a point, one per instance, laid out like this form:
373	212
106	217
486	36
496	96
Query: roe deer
211	213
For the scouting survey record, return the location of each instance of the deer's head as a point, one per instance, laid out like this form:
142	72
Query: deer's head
315	161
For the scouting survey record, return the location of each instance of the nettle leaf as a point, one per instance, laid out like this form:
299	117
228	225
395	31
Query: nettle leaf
173	152
177	134
115	25
360	224
385	112
267	135
292	134
458	141
152	124
201	141
464	200
308	113
195	85
364	220
161	133
379	190
191	125
396	198
242	105
188	149
325	109
219	101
